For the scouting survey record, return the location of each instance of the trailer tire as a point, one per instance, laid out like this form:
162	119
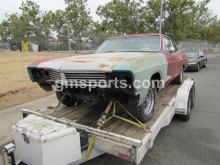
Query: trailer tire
189	105
145	111
67	101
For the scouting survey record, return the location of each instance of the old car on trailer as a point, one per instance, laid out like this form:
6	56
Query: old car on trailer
132	68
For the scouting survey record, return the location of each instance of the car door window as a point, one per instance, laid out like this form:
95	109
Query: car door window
201	54
166	45
173	44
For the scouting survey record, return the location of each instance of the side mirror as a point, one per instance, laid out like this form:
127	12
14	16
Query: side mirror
172	49
201	56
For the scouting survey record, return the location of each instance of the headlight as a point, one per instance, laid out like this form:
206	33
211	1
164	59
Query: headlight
120	77
192	63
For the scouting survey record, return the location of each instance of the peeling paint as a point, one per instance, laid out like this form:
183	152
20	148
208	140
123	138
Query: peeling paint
80	60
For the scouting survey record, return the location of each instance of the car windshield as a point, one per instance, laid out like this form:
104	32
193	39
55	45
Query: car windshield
192	54
136	43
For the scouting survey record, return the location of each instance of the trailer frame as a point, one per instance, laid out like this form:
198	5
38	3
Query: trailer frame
128	148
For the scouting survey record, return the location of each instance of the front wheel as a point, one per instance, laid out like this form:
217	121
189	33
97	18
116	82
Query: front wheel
198	67
205	63
145	111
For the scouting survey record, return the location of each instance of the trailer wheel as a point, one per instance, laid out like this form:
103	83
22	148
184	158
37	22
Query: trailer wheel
68	101
189	105
145	111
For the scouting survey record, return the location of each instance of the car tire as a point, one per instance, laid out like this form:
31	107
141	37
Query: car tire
67	101
198	67
189	105
180	78
145	111
205	63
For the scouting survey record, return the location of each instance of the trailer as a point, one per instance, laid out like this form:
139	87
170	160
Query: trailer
72	135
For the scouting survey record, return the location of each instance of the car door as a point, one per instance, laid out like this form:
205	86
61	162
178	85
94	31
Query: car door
172	60
178	58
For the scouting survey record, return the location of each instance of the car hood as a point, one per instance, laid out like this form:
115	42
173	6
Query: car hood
192	60
97	62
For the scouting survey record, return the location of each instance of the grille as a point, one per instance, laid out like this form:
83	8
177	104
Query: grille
87	77
54	75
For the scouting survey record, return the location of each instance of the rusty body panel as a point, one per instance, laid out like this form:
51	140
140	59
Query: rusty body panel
142	65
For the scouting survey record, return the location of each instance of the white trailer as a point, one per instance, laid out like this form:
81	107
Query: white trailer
66	135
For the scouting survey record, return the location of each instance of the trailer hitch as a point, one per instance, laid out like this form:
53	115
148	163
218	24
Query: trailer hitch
9	150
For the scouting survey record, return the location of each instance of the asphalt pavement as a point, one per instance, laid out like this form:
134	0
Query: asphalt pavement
193	142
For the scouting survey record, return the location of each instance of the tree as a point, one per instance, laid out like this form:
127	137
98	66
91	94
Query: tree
30	25
182	19
122	16
38	27
75	17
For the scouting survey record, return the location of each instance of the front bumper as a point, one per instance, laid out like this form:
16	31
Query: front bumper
192	66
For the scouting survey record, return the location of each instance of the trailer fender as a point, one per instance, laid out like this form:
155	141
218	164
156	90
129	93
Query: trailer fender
182	96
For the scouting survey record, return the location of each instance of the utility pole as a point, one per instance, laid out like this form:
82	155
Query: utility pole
161	11
69	40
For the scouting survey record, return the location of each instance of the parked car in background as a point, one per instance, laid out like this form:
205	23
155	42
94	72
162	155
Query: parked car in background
138	60
196	60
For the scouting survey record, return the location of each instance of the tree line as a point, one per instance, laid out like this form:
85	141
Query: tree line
182	20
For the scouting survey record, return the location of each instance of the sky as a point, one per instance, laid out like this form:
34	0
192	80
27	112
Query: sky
12	6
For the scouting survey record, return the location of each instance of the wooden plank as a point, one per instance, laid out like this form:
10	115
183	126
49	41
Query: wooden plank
122	128
119	112
130	131
115	123
78	113
73	110
90	115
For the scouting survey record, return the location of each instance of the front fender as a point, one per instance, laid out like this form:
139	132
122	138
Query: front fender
143	68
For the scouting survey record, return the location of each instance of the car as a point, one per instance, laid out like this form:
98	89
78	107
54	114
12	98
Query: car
197	59
130	68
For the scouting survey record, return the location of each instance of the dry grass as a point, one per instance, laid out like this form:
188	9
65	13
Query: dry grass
16	87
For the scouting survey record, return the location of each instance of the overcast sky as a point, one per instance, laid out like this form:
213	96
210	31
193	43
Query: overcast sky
10	6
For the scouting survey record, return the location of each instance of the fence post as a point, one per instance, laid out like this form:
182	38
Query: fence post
69	40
